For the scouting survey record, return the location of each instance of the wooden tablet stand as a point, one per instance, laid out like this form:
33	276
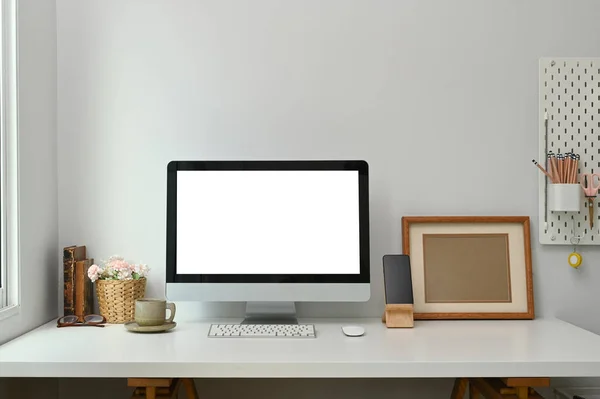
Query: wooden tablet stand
398	316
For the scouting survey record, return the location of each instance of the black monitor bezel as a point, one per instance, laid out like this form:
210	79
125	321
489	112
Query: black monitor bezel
171	261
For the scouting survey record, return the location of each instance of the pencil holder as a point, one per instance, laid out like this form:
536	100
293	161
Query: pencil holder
564	197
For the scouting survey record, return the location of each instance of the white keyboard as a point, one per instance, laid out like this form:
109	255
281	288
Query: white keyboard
262	330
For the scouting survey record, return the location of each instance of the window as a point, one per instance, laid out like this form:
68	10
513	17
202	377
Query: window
9	271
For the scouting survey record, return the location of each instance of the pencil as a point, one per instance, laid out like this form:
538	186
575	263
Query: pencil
540	167
550	164
555	167
563	169
574	171
561	164
568	168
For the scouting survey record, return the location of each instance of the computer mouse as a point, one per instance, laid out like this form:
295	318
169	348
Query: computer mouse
353	331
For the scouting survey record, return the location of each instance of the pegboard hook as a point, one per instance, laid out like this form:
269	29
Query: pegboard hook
575	239
574	257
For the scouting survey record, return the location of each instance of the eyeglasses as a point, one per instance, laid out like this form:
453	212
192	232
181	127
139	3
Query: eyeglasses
90	320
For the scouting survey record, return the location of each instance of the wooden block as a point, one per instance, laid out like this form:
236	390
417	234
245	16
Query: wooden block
399	316
527	382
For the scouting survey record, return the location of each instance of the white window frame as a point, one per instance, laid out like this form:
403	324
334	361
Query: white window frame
9	258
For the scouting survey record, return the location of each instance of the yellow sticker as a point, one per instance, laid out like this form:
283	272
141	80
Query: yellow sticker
574	259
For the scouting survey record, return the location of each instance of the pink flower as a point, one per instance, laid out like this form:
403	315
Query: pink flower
94	272
117	268
119	265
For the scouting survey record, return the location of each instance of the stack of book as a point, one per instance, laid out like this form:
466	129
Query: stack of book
78	288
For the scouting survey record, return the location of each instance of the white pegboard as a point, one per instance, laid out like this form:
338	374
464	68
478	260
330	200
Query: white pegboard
569	90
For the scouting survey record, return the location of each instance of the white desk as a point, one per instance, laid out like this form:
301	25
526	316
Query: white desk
546	348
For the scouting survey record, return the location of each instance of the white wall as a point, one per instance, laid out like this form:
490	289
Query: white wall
37	168
404	85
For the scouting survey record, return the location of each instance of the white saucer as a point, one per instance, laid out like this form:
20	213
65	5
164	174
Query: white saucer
135	327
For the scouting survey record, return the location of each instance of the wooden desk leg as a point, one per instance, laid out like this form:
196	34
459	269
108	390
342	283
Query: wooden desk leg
523	388
158	388
520	392
162	388
473	392
460	388
190	388
150	392
496	388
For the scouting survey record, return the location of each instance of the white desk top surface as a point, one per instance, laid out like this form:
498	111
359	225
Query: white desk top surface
549	348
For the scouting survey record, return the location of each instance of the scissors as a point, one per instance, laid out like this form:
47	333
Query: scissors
590	183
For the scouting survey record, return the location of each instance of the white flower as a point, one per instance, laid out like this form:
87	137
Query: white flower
124	274
94	272
141	270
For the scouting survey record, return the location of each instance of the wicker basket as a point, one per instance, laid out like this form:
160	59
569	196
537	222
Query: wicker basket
116	298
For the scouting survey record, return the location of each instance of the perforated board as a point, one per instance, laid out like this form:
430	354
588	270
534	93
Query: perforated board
569	90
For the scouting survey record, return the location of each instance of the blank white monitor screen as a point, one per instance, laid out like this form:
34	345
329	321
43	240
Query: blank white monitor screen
268	222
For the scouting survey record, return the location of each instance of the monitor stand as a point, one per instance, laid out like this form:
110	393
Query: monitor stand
270	313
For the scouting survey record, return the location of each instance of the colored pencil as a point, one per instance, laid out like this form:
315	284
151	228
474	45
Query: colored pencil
562	168
540	167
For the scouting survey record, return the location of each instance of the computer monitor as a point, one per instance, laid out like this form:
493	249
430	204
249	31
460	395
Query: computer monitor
268	233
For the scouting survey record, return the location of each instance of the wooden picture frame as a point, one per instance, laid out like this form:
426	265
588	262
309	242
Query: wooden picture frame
470	267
